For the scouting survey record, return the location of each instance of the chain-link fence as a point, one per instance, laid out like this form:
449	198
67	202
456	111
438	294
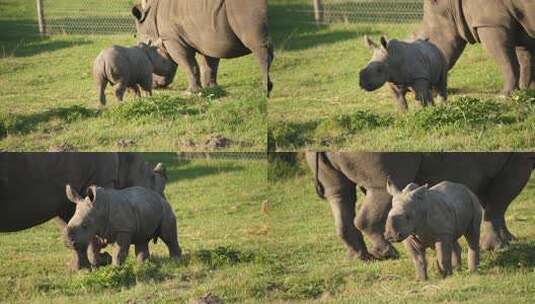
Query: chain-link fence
371	10
89	16
222	155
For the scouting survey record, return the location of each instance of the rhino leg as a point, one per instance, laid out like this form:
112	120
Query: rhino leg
498	42
120	89
417	254
209	67
399	95
185	58
442	88
146	85
264	56
500	193
142	251
371	220
444	250
136	91
472	238
422	88
123	244
169	236
456	256
527	67
97	258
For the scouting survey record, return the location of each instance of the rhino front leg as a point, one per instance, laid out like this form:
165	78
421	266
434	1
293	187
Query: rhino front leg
123	244
264	56
371	220
417	254
498	42
527	67
120	89
444	249
185	58
209	67
142	251
399	95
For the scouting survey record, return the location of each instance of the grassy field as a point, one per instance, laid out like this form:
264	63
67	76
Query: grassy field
48	99
221	229
319	105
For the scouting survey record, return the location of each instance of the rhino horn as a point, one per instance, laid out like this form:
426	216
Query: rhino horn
72	195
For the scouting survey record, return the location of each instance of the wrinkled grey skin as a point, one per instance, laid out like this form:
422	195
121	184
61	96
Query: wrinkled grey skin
133	215
505	28
130	68
496	178
436	218
417	65
32	188
212	28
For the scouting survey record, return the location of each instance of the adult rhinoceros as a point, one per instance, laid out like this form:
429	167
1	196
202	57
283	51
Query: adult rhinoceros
506	28
213	28
497	178
32	187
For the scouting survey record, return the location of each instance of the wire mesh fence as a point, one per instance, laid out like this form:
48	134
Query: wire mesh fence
222	155
113	16
89	16
394	11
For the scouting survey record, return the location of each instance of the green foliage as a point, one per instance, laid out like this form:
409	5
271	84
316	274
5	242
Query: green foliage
224	256
283	166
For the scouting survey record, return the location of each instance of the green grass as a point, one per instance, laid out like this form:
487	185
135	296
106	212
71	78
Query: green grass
48	98
319	105
221	231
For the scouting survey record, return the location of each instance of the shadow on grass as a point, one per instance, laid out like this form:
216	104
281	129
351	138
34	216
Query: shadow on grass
292	28
26	123
21	39
198	171
519	255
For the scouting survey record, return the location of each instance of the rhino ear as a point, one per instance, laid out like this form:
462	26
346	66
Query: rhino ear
369	43
384	42
391	188
420	191
140	13
91	193
72	195
160	169
410	187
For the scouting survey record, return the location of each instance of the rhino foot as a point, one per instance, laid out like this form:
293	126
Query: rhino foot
491	241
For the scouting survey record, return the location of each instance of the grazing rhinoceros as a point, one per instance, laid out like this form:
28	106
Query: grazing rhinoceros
32	187
506	28
130	68
161	82
133	215
416	65
213	28
496	178
436	218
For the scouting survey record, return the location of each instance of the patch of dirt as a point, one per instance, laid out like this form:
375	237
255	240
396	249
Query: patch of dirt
125	143
63	147
208	298
217	141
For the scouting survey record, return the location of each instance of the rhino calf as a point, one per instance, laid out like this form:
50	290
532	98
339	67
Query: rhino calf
132	215
416	66
436	217
130	68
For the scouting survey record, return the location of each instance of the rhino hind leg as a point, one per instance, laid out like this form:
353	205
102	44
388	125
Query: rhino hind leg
120	90
399	94
169	236
209	67
456	261
264	56
423	92
527	67
498	42
142	251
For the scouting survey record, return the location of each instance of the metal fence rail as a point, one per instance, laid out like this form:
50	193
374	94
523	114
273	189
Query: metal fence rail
370	11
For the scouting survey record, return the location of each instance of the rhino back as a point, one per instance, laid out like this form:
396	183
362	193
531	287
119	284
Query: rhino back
135	210
33	184
204	25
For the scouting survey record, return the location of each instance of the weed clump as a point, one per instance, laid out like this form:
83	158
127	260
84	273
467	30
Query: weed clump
160	107
222	256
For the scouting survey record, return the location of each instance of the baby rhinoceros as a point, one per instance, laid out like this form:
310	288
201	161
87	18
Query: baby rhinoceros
418	66
129	216
129	68
436	217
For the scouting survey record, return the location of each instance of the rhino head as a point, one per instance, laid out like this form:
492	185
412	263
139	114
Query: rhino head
406	212
82	227
145	15
161	62
375	74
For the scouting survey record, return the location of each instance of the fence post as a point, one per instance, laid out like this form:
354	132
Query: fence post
318	11
41	17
